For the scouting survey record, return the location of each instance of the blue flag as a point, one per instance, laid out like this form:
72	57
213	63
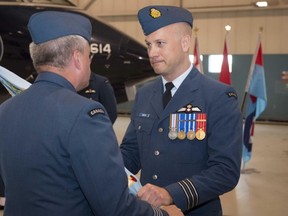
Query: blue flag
256	100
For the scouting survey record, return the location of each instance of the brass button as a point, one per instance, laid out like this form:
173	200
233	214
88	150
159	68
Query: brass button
156	152
160	130
154	177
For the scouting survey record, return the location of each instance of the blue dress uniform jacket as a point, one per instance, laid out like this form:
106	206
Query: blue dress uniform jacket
59	155
195	172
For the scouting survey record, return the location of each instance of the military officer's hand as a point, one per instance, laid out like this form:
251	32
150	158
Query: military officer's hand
155	195
172	210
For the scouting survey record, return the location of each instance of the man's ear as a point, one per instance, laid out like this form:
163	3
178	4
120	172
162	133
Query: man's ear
76	59
186	40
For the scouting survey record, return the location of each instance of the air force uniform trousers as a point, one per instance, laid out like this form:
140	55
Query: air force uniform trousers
194	172
63	149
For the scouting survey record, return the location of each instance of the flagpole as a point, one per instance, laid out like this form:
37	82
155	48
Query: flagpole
197	49
251	68
227	28
224	75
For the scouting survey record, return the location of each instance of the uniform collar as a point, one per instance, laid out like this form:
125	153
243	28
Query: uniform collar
178	81
54	78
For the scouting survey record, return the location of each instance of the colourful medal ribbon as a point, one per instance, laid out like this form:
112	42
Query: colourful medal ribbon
201	126
186	123
173	118
173	126
181	126
192	123
189	121
204	119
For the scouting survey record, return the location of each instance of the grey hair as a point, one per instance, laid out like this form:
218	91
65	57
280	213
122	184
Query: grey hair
57	52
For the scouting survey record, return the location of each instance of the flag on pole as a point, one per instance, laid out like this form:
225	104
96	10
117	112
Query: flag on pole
224	75
256	99
197	60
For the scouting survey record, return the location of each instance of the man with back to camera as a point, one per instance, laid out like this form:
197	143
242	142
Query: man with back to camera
189	148
58	152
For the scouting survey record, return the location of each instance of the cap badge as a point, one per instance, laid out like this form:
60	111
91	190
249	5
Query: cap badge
154	13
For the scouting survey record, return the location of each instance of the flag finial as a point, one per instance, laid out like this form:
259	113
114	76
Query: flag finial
228	28
261	29
196	29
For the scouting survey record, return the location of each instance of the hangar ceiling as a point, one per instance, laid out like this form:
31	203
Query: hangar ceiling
195	5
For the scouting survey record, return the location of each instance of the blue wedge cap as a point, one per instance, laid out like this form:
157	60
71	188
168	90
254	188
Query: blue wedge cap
49	25
155	17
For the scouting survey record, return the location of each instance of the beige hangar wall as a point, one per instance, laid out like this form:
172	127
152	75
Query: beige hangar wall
245	22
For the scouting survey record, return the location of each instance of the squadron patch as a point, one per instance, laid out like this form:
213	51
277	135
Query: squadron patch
232	94
96	111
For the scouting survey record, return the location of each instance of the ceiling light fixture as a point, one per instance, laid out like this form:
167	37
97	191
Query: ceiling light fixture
261	3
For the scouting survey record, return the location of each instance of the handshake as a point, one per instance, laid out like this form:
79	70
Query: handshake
148	191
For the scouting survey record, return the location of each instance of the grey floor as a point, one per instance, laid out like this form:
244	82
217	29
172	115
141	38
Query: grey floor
263	186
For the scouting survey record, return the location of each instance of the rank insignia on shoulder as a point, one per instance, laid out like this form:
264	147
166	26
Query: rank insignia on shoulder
96	111
189	108
232	94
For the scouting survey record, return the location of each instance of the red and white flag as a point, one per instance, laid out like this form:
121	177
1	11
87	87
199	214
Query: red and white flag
197	61
224	75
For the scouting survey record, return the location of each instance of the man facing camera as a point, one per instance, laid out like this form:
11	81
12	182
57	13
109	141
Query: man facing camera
185	133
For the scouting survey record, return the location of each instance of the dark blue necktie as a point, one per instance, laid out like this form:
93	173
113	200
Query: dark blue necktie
167	94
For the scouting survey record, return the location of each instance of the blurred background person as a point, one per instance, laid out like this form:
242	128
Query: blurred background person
100	90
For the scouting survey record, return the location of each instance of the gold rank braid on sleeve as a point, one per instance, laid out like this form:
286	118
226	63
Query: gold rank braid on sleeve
190	192
157	212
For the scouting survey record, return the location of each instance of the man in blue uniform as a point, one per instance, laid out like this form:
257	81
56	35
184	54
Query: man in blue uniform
58	152
189	148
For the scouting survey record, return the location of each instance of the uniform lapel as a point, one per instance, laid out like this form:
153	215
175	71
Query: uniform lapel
156	99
